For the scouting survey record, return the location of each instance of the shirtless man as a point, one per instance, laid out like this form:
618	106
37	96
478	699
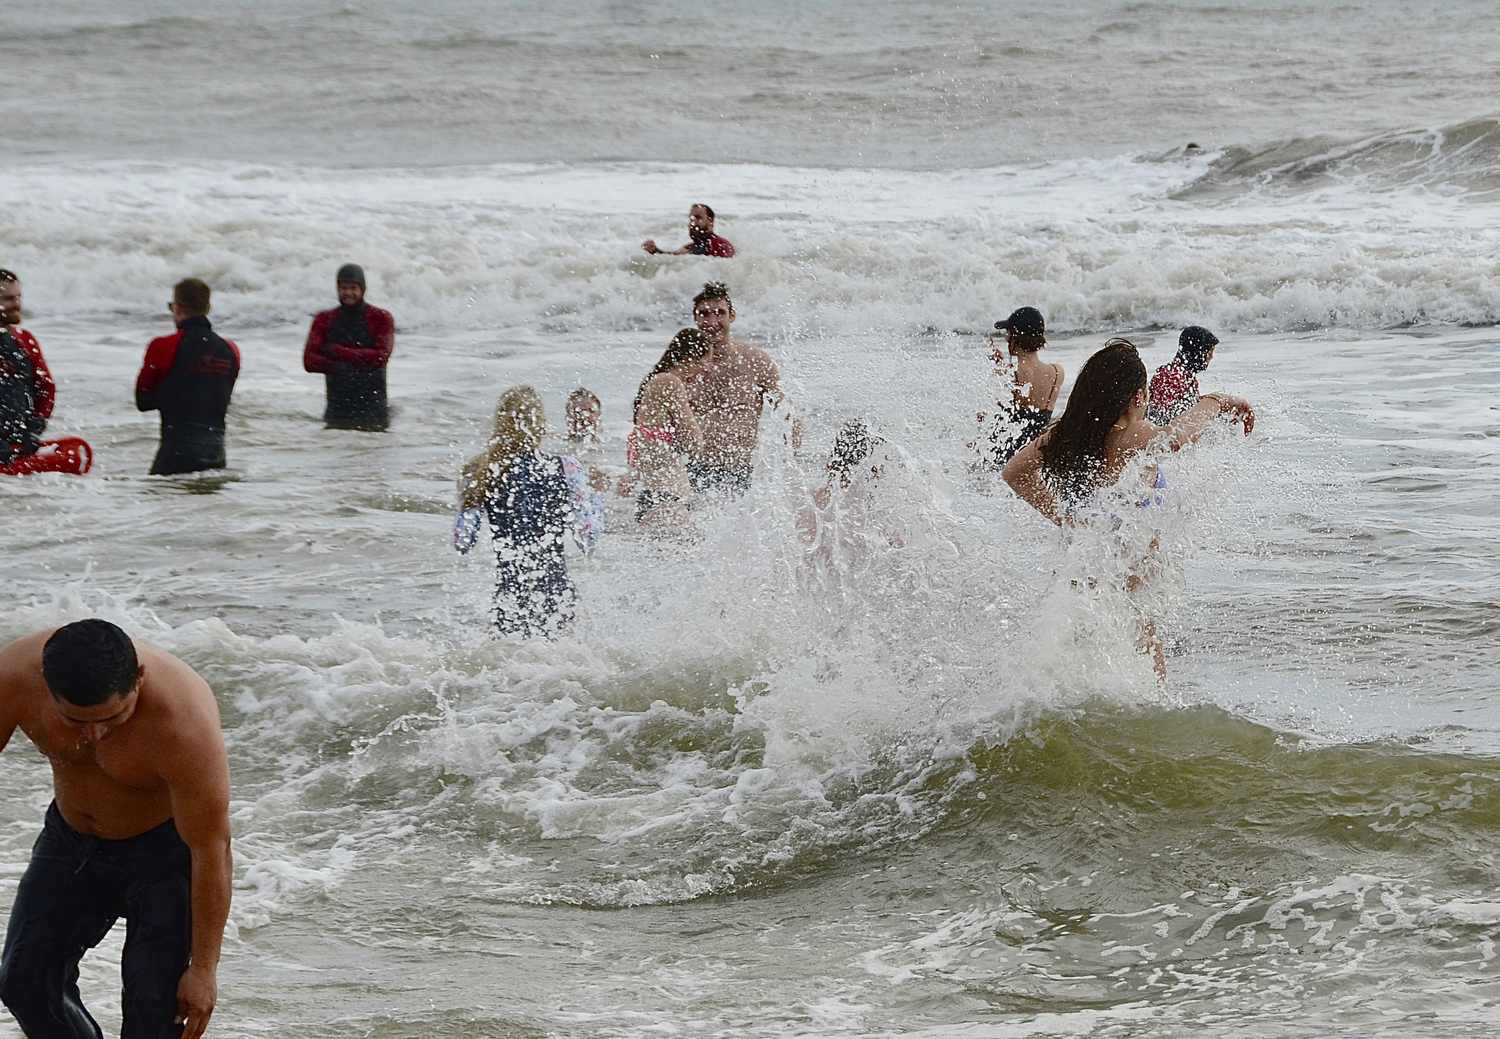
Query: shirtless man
139	827
727	397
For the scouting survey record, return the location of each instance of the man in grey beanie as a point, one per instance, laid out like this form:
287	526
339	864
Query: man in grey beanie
350	346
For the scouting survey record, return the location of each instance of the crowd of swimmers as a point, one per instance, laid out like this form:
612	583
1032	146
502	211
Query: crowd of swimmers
142	832
695	424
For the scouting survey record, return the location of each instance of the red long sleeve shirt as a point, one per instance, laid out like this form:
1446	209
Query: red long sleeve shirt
322	357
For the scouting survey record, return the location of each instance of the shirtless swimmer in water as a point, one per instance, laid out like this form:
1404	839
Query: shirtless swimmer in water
727	395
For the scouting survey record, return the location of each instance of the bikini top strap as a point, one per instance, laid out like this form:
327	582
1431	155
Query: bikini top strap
1015	388
1057	380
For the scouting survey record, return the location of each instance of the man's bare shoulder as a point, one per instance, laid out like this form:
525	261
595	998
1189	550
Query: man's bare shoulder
747	351
173	686
21	667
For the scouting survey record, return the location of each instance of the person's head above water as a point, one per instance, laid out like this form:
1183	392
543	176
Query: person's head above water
90	662
700	222
520	421
350	282
1025	331
190	298
713	312
581	415
851	446
689	344
1112	382
10	298
1195	347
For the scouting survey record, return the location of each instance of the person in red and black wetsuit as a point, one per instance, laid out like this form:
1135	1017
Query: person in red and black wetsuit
701	232
26	387
188	377
350	345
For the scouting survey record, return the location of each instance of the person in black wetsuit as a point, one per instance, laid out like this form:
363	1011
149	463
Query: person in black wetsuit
351	345
189	377
26	387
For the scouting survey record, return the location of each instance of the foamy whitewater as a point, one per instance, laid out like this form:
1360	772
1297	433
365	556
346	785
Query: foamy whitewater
928	788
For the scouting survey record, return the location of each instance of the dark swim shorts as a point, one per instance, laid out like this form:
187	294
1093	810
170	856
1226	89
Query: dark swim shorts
648	500
71	894
732	481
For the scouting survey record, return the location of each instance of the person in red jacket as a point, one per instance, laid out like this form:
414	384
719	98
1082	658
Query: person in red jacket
702	240
350	346
188	377
27	391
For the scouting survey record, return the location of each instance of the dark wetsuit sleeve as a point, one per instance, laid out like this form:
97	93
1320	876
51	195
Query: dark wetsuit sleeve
313	357
383	327
44	389
159	357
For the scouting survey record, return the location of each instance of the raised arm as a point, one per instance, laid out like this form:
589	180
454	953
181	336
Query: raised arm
195	766
1024	474
1193	423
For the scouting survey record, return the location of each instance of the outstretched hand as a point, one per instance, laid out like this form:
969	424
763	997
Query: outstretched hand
197	992
1239	410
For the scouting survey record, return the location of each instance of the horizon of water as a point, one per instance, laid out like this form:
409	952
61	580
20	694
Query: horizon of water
933	790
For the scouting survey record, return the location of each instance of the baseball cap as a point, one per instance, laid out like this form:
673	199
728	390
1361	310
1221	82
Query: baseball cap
1027	321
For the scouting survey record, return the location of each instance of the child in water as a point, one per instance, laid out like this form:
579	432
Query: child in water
531	499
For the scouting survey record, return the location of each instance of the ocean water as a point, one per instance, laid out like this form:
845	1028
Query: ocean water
931	789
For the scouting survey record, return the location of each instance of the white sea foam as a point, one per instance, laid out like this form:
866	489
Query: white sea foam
1097	244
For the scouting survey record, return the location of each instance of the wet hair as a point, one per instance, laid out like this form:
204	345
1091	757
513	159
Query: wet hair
519	422
1023	343
687	345
88	662
1073	448
713	290
1194	346
191	295
851	447
8	275
582	394
705	207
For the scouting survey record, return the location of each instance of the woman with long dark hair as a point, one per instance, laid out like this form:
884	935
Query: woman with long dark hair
1103	427
1089	449
666	429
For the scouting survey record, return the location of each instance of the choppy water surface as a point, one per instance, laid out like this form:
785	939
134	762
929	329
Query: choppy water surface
930	790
